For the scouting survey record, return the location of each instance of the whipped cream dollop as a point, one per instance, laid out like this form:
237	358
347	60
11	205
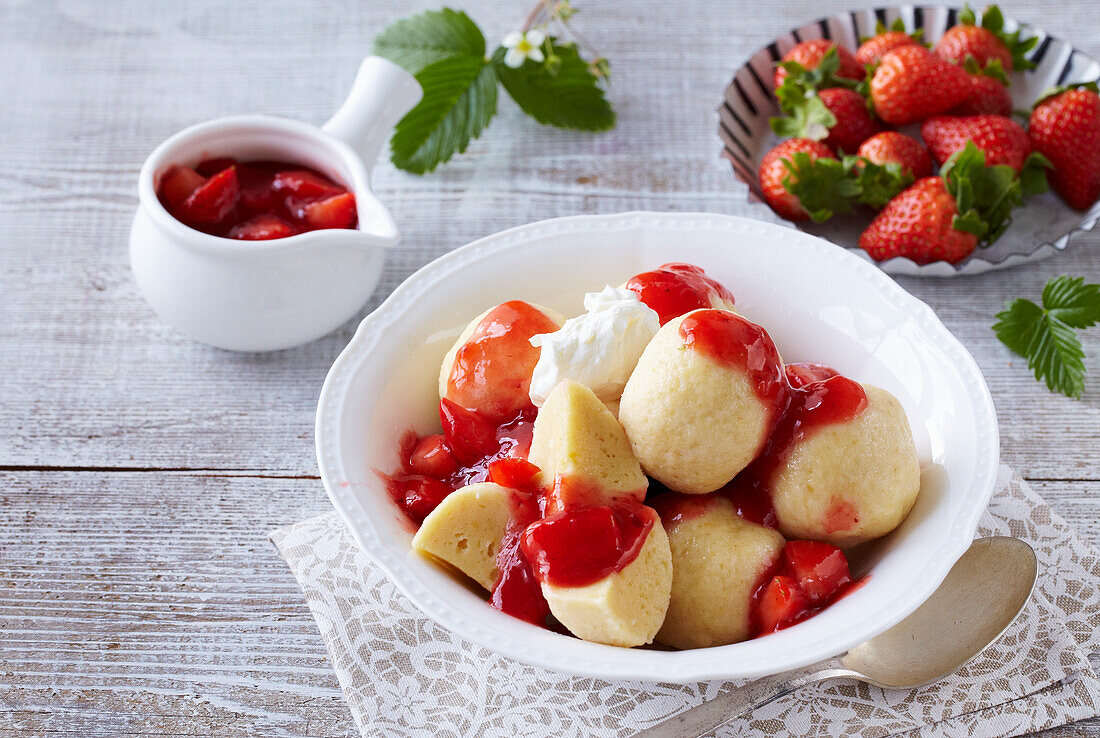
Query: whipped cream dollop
598	349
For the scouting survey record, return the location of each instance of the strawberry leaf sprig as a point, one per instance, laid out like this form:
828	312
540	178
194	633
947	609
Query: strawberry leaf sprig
986	195
545	74
1044	334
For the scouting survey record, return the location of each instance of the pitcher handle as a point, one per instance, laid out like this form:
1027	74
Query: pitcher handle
380	96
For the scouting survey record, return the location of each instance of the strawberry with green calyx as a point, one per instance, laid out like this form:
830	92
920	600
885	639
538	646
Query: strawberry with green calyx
809	54
988	90
871	49
819	105
1002	139
911	83
985	42
947	217
801	179
1065	126
897	148
889	162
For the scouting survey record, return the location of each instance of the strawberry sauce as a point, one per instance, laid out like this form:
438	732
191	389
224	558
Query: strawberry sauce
492	369
256	200
675	289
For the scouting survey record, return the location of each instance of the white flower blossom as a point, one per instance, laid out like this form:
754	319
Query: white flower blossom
523	46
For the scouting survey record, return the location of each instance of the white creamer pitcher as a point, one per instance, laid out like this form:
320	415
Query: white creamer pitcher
267	295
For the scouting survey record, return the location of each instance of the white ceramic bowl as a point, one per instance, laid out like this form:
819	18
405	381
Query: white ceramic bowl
819	303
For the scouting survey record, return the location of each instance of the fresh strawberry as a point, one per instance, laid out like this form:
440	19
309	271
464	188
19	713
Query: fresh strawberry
854	122
210	167
819	568
946	217
810	53
177	183
305	184
779	604
469	436
432	457
1065	126
214	200
911	84
801	179
885	39
985	43
891	147
337	211
1001	138
918	224
987	96
262	228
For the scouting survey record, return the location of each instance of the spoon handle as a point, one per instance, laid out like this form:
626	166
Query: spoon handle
727	707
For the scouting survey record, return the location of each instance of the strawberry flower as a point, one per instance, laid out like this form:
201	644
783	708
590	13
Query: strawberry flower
523	46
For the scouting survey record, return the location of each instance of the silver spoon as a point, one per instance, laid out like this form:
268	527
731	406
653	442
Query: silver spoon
981	596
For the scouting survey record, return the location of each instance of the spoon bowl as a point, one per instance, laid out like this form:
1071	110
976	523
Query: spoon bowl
984	592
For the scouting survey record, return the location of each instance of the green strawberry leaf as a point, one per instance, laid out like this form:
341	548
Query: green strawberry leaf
992	69
878	183
984	195
424	39
1072	301
1044	335
1033	174
565	94
824	187
808	116
460	98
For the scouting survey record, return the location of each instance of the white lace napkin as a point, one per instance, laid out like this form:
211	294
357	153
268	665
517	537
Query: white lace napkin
404	675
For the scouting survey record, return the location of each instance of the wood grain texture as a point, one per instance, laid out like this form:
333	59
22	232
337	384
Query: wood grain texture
141	471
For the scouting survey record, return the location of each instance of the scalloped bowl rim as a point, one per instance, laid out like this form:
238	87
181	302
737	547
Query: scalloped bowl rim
564	654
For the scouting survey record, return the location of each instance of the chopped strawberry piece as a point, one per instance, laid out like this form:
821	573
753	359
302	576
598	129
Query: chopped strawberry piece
177	184
432	457
803	373
262	228
214	200
337	211
422	495
306	184
210	167
781	603
469	436
819	568
513	473
256	189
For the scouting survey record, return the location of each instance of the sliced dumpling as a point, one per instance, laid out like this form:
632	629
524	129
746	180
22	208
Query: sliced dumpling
466	530
583	451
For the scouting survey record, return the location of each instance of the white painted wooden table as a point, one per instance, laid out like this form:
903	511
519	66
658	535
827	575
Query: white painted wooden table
141	472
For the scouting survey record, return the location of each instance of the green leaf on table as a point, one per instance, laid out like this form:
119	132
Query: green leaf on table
424	39
1044	335
565	94
460	98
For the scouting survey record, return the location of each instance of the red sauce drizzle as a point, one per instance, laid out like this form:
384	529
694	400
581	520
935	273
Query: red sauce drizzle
492	370
517	592
582	545
675	289
739	343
